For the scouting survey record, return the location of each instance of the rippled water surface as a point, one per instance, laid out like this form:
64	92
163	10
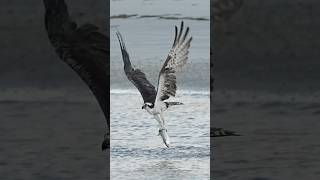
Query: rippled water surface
138	151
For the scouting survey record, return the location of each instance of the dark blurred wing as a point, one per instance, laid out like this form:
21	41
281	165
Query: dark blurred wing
136	76
177	57
84	49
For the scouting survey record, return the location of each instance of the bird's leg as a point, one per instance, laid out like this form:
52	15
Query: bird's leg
163	121
160	121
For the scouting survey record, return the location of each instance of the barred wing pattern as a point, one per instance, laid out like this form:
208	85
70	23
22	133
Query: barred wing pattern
177	57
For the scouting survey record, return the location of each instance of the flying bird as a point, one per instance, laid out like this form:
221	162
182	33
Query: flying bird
84	49
155	100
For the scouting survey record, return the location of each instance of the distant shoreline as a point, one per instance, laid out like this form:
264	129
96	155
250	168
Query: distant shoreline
164	16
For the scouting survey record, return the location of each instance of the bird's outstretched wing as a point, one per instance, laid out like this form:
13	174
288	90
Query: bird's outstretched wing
177	57
136	76
83	48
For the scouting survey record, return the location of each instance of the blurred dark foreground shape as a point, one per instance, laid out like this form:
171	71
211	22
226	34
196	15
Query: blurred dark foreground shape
51	124
267	71
222	11
84	49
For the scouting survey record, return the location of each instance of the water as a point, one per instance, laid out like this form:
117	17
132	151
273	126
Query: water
148	42
280	135
51	134
137	150
176	8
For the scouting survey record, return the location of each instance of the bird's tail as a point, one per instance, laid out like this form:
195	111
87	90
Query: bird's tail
168	104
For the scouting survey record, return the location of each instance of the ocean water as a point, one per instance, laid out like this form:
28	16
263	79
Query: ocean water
172	8
137	152
280	135
51	125
148	41
51	134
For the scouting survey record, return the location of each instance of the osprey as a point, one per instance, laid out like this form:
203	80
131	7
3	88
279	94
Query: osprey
154	100
84	49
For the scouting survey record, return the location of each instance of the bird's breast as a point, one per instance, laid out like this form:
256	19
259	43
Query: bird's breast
150	110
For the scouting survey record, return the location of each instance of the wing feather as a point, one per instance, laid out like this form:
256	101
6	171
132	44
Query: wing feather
176	59
136	76
84	49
